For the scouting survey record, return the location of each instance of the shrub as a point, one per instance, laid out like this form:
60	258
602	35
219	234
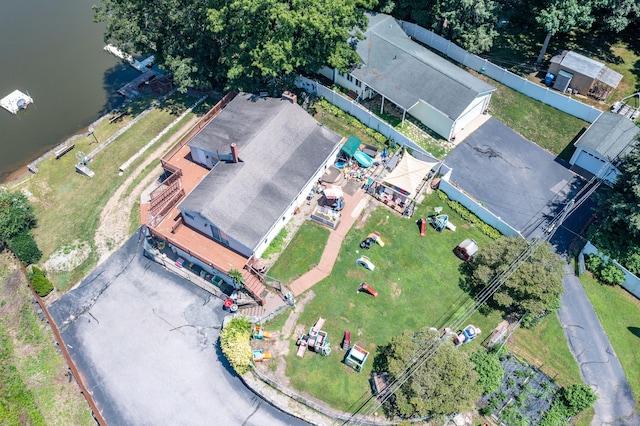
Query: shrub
632	263
25	247
470	217
593	262
604	271
489	369
569	402
42	285
485	411
577	398
512	417
234	341
611	274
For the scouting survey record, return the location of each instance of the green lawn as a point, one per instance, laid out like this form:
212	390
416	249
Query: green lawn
417	282
546	347
68	204
619	314
308	244
548	127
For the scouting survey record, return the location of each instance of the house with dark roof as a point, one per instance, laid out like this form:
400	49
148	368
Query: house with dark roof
604	144
235	180
443	96
265	154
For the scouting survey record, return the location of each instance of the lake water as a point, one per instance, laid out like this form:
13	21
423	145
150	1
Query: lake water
53	51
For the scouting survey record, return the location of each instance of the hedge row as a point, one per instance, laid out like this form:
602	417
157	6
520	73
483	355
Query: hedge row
470	217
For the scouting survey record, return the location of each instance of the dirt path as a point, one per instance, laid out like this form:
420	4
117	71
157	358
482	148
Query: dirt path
113	229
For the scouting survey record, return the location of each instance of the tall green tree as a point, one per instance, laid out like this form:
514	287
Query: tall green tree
561	16
616	15
240	44
443	385
177	32
16	214
618	226
470	23
536	285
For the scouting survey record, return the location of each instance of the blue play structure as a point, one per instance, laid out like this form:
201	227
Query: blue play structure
439	222
363	159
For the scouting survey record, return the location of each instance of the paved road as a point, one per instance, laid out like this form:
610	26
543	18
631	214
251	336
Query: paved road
598	363
145	342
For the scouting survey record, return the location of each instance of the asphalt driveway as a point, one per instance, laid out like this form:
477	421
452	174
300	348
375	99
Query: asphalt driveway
595	356
145	342
515	179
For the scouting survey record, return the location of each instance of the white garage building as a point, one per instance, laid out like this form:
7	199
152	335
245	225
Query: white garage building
435	91
606	141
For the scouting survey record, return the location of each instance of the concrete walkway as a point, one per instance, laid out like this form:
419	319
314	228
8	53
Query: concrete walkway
354	204
598	363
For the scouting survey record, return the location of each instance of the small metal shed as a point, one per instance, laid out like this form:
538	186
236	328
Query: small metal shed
562	81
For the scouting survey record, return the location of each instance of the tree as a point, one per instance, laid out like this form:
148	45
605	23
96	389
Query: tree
443	385
615	15
561	16
470	23
618	231
176	31
536	285
16	214
240	44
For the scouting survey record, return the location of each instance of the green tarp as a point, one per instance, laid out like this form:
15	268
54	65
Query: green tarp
351	146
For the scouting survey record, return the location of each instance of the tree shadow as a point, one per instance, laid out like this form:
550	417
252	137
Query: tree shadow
635	331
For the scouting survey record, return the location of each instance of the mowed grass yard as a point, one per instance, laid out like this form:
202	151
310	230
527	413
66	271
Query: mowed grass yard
417	279
68	204
619	314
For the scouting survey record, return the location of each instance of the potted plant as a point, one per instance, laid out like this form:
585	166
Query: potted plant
237	278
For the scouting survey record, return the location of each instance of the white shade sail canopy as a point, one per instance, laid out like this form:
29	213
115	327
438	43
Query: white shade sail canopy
408	174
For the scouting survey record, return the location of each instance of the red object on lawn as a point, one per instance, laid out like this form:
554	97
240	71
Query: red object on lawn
346	341
366	288
423	225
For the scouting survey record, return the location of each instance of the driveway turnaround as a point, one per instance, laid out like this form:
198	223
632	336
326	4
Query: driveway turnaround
145	342
515	179
597	360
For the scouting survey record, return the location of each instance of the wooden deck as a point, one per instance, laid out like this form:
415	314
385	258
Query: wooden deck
169	226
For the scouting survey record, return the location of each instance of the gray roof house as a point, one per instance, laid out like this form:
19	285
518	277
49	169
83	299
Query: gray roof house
437	92
604	144
265	154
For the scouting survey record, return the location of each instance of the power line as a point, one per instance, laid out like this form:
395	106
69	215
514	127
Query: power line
471	305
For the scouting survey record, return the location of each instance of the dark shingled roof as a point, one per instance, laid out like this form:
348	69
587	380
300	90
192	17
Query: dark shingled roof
610	135
406	72
280	148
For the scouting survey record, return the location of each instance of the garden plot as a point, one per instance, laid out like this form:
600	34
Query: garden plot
525	394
